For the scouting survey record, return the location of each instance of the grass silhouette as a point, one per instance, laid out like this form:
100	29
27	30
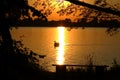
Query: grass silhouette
23	65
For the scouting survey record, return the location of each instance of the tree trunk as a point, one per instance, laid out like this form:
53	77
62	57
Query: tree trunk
6	48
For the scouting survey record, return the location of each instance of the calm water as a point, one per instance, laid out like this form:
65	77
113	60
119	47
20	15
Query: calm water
75	45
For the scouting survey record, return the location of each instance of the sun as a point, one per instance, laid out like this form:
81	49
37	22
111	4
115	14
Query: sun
61	3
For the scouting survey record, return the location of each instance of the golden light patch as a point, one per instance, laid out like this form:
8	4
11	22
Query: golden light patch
60	54
60	4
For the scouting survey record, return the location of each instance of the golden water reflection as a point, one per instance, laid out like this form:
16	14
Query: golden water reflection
60	54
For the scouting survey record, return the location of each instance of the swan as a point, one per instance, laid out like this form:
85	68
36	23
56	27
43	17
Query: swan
56	44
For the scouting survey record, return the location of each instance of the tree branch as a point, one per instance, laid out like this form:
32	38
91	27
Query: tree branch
107	10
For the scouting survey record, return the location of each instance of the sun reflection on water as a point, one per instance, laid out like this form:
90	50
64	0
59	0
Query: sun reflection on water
60	54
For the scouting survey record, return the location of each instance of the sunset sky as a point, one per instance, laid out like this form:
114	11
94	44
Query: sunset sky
57	7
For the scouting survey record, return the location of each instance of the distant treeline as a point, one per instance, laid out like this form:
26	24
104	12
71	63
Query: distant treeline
67	23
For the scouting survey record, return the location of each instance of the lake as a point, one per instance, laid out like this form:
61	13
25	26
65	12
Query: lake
76	45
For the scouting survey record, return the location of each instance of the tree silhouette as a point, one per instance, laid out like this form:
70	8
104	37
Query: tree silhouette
103	9
100	8
97	14
10	13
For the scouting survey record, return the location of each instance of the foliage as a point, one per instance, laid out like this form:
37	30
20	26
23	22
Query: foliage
16	10
115	66
98	12
98	16
23	63
31	56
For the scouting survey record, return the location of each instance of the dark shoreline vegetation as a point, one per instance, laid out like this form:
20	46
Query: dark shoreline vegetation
68	23
23	65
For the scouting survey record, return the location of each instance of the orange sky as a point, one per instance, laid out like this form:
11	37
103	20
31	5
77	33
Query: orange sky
54	15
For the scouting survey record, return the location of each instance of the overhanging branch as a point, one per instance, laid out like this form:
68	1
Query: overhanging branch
107	10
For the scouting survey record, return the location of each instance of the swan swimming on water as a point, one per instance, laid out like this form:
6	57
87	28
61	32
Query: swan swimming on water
56	44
